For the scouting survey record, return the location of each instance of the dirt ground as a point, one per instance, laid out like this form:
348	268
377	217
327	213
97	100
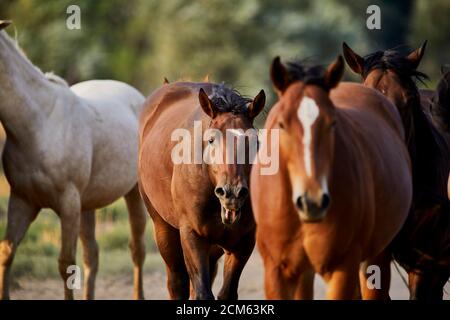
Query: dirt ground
120	287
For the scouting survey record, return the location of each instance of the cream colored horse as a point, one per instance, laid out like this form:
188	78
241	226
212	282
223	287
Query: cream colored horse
72	150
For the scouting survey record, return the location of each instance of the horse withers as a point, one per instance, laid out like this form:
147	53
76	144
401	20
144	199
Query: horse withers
343	189
423	245
199	206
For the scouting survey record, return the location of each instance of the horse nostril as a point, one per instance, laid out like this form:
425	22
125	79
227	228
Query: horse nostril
219	191
242	193
299	202
325	201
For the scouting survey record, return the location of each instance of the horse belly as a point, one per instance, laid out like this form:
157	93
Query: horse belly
393	197
114	164
155	177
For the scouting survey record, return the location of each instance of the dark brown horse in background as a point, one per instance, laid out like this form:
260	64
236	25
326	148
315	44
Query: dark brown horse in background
439	107
439	103
423	246
199	210
343	189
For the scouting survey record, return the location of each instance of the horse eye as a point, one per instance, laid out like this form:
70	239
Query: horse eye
211	140
281	125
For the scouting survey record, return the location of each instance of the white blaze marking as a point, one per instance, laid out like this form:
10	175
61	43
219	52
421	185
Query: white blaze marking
308	111
236	132
324	185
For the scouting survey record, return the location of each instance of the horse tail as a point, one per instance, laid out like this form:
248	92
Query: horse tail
440	106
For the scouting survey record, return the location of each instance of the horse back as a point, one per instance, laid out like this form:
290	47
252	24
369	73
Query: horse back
355	96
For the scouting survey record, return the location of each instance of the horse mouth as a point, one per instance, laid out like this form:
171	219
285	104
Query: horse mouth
230	216
308	217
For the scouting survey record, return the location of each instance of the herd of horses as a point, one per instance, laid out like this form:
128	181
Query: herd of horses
362	178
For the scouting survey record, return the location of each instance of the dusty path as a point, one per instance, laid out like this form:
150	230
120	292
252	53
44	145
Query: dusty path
120	287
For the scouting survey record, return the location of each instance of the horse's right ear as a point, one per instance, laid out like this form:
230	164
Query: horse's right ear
334	73
354	61
279	76
206	104
4	23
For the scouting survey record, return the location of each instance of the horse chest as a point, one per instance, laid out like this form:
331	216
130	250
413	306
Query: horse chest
32	184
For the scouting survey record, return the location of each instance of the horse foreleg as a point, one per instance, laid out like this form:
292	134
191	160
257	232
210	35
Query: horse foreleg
378	289
196	255
214	256
138	221
234	264
69	213
305	288
20	216
90	253
343	280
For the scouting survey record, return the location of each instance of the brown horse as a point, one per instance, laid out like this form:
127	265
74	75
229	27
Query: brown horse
423	246
200	210
343	189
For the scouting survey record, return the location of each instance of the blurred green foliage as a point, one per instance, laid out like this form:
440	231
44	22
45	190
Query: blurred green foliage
142	41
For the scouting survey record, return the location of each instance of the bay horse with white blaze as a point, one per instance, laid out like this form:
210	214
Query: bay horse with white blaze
343	189
423	245
71	149
199	209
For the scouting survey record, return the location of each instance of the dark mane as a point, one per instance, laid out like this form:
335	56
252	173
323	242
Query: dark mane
228	99
440	103
393	59
307	73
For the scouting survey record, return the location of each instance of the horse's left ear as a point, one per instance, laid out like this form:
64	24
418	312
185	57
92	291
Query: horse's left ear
4	23
206	104
279	76
257	105
334	73
416	56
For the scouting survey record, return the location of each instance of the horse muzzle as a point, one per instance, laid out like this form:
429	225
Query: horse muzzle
231	198
312	210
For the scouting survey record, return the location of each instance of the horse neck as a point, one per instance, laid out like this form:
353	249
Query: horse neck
26	95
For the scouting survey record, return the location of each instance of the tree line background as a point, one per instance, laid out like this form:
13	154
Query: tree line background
142	41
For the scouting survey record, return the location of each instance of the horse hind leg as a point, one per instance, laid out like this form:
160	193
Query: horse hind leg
90	253
138	221
169	244
20	216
